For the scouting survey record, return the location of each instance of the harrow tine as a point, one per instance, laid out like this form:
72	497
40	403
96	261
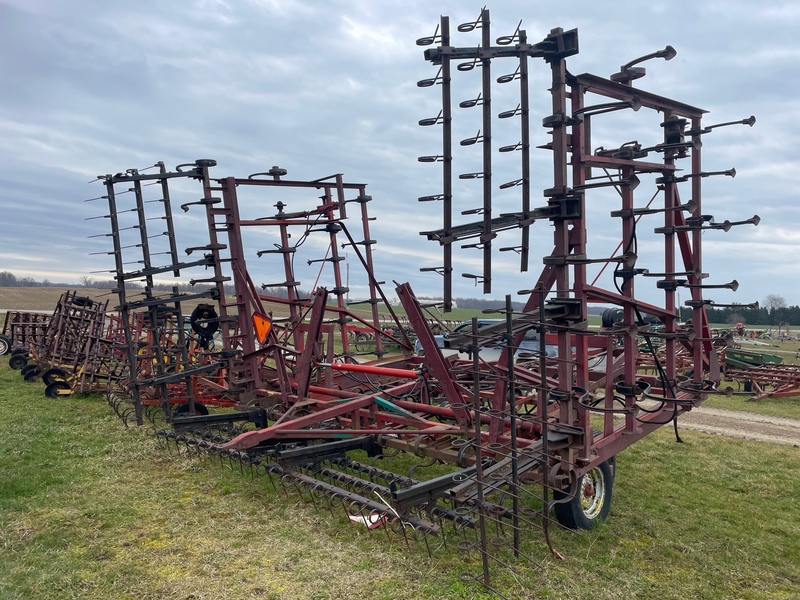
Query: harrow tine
403	531
284	479
427	546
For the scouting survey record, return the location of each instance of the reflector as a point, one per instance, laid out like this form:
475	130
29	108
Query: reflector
262	325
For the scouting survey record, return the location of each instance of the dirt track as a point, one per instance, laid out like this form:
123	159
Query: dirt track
746	425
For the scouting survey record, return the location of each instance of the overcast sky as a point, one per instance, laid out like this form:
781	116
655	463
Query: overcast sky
322	87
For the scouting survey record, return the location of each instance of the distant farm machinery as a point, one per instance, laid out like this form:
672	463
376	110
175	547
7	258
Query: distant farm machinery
322	395
70	350
21	329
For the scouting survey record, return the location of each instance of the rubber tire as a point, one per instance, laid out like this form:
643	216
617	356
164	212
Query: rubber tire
199	409
32	375
611	316
5	345
364	342
16	351
82	301
51	391
53	374
572	515
17	361
201	313
28	368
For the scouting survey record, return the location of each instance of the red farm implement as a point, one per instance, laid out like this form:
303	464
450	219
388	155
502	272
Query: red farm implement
514	439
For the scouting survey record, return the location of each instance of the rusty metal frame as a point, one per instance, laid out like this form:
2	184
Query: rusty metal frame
155	339
515	429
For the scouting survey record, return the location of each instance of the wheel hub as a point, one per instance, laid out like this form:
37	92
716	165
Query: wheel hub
593	493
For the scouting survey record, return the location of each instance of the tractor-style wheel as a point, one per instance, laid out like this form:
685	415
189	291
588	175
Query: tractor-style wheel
27	368
32	374
23	351
5	345
365	342
53	374
17	361
58	389
82	301
201	320
591	501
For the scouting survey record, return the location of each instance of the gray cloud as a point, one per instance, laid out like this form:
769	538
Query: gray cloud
326	87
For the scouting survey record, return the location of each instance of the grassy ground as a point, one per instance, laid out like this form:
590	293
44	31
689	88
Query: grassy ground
89	509
775	407
46	298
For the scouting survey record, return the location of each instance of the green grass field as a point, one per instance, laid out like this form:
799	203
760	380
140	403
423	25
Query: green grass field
89	509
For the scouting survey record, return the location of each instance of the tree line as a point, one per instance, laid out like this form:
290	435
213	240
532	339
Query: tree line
771	313
8	279
753	317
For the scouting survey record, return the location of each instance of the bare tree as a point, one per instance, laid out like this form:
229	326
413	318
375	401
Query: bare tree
87	281
773	301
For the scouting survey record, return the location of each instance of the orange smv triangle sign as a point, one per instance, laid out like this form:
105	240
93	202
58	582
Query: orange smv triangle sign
262	325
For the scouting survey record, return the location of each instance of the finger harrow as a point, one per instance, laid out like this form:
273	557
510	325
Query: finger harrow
21	330
71	350
443	440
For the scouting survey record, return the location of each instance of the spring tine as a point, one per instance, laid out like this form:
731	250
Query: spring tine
427	546
387	521
403	531
344	508
271	480
313	499
283	481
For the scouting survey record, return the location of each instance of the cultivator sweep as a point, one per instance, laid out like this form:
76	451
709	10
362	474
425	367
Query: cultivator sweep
331	400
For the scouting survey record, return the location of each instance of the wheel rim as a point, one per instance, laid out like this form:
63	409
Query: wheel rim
17	362
52	390
592	493
52	374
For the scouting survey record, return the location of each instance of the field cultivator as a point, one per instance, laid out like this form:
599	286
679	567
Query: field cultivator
767	381
491	447
760	375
